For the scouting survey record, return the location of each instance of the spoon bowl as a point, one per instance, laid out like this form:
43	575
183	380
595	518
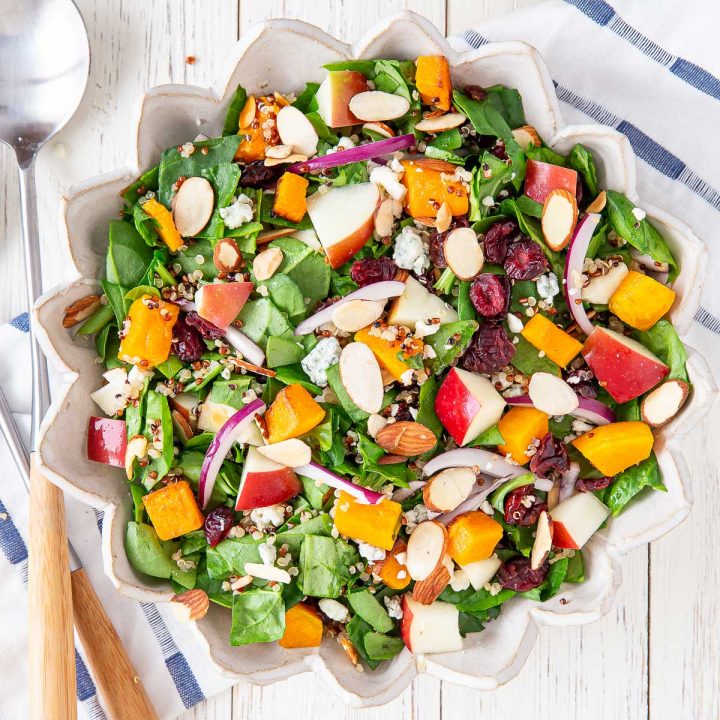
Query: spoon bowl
44	65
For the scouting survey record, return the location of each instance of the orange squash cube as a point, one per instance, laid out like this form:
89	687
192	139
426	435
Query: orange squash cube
303	627
473	536
429	185
148	332
290	201
391	571
256	138
520	426
615	447
173	510
374	524
558	345
165	223
432	78
386	351
640	301
292	413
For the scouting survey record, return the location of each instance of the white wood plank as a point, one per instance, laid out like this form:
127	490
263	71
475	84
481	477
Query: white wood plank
466	14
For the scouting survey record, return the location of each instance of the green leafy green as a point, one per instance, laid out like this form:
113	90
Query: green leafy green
528	360
258	615
324	563
382	647
224	178
489	177
581	159
232	115
449	342
630	482
491	436
157	414
366	605
497	497
128	255
662	340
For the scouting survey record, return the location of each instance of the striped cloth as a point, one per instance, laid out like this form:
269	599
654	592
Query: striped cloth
173	666
653	73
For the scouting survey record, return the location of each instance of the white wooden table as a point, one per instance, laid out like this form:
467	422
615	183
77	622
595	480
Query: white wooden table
655	655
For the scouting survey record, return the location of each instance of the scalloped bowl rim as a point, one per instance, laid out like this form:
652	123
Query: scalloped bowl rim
524	618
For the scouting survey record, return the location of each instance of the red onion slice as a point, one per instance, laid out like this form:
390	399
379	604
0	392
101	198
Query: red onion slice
368	151
588	409
576	254
379	291
404	493
488	462
318	472
220	447
245	346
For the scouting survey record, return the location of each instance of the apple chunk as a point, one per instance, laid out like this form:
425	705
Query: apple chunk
265	482
221	303
417	304
467	404
344	218
334	95
542	178
575	520
430	628
624	367
482	571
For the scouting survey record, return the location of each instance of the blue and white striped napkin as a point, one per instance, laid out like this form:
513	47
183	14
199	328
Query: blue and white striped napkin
173	666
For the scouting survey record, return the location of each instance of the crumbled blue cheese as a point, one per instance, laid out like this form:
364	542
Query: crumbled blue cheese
370	552
393	606
460	580
548	287
239	213
488	201
320	358
272	515
268	553
638	214
384	176
424	328
410	252
515	324
334	610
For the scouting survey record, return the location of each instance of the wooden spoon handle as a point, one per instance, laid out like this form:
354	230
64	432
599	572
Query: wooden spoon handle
51	648
122	691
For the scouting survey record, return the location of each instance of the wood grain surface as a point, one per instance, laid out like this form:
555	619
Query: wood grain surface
655	655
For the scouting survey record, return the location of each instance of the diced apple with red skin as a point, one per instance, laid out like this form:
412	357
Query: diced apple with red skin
334	95
265	482
343	218
467	404
541	178
221	303
623	366
107	441
430	628
575	520
418	304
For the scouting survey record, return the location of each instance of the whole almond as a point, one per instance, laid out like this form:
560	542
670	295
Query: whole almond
598	204
80	310
191	605
266	263
406	438
226	256
427	591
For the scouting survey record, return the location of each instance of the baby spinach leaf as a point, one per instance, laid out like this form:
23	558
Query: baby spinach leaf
576	568
546	154
366	67
312	276
497	497
116	300
449	342
230	392
235	106
286	296
294	374
258	615
97	321
426	406
261	318
224	178
198	256
305	101
147	181
145	551
128	255
489	177
508	103
471	601
294	252
631	481
663	340
324	563
374	474
238	551
158	411
491	436
554	579
382	647
366	605
581	159
144	224
528	361
357	630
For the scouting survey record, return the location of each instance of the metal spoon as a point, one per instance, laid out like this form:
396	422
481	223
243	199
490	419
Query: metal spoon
44	65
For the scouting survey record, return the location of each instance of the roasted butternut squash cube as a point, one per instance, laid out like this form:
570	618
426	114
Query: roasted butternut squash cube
558	345
303	627
290	201
432	78
473	536
429	184
173	510
165	223
148	332
640	301
520	426
293	413
615	447
374	524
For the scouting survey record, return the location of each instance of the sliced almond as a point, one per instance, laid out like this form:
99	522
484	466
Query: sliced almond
374	105
375	423
290	453
348	647
356	314
384	218
80	310
428	590
426	549
446	490
278	152
662	404
269	235
136	448
266	263
226	256
251	367
182	425
526	136
391	460
598	204
247	114
191	605
361	377
193	206
268	572
297	131
440	123
379	128
442	166
406	438
463	253
292	158
551	394
543	541
559	217
444	217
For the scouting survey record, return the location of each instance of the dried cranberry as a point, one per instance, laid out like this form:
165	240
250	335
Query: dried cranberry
402	413
581	192
326	303
551	458
187	342
437	242
204	327
259	175
498	150
525	260
489	351
475	92
591	484
516	574
218	524
372	270
498	238
581	382
490	294
523	506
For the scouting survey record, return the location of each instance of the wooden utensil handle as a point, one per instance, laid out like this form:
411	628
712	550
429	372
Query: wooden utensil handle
122	691
51	649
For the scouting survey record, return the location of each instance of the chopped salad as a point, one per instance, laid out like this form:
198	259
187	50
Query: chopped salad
378	361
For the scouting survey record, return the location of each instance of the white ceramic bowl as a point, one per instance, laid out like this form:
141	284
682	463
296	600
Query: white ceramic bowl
283	55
